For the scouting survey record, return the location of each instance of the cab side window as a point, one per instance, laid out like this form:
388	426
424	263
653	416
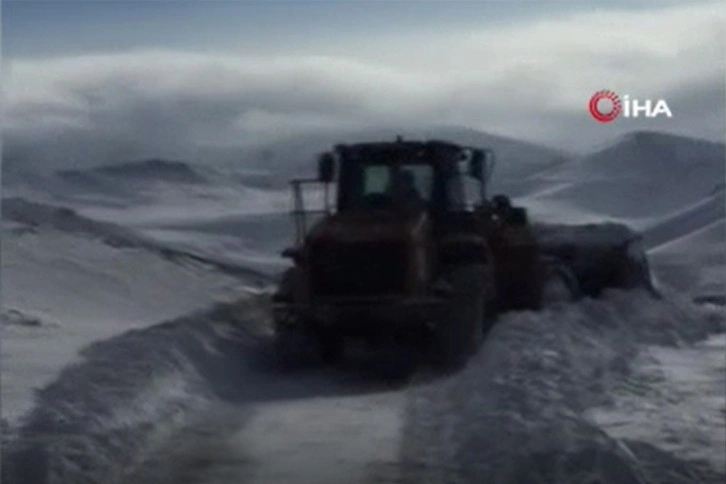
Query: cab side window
463	191
420	178
376	179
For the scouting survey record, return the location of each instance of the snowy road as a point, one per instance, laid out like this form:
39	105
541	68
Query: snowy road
315	441
518	413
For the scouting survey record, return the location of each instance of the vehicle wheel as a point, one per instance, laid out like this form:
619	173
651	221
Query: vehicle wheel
291	348
286	288
460	333
397	363
560	285
490	300
331	347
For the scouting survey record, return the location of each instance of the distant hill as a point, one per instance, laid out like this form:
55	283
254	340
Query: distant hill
690	220
642	174
147	170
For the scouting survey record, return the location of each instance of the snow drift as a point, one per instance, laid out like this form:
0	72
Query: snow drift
518	412
54	259
100	418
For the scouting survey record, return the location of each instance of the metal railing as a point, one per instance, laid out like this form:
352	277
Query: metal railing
299	212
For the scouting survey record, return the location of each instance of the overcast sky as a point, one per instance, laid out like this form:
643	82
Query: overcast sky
101	80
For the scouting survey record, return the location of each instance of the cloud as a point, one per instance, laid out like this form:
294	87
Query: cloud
529	80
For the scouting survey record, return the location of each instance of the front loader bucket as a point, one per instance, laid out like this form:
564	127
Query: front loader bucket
601	256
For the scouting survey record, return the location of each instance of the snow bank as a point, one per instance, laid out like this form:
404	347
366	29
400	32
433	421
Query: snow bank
517	413
674	397
103	415
62	291
69	280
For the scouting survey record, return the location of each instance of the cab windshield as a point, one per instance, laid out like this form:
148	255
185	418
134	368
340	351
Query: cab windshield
386	185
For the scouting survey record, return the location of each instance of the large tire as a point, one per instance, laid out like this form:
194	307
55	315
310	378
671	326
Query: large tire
293	344
397	363
559	285
286	289
302	347
331	347
292	348
461	332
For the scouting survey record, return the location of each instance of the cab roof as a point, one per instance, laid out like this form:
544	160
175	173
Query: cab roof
393	150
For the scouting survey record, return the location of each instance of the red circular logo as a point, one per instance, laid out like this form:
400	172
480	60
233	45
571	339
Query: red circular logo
604	117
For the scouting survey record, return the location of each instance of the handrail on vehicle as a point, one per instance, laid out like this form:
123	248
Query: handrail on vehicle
299	213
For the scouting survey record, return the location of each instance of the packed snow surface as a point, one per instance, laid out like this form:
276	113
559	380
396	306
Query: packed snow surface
136	336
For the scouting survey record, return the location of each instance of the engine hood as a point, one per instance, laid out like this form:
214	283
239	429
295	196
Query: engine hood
369	227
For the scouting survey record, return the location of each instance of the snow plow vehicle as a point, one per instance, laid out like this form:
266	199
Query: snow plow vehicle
412	251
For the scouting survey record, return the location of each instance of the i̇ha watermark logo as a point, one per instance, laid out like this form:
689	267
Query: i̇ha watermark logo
605	106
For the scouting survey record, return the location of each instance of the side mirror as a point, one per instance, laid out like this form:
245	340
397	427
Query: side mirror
477	165
518	217
326	168
481	166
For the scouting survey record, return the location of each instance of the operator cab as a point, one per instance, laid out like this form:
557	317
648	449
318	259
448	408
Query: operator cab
431	176
383	187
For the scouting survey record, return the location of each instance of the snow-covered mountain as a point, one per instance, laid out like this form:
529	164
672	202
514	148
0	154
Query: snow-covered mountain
642	174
